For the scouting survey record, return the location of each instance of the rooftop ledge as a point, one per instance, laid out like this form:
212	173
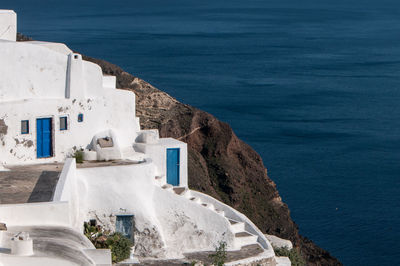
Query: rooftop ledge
35	183
7	11
92	164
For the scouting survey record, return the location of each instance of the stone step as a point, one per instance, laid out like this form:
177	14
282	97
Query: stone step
236	226
208	206
282	261
161	180
180	190
168	187
244	238
220	212
194	199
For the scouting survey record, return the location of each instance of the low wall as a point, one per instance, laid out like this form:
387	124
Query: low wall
66	181
69	189
188	226
8	25
233	214
31	214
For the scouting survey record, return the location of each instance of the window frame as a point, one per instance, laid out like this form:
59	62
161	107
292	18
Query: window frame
80	118
27	127
66	123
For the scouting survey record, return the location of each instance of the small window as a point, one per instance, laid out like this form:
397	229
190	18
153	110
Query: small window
80	118
63	123
25	127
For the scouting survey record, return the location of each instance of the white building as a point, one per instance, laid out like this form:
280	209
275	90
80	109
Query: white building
53	103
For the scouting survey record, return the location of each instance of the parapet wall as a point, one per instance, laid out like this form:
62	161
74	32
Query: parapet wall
8	25
35	214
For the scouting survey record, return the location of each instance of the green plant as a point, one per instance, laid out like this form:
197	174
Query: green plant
119	245
90	231
295	257
78	155
219	256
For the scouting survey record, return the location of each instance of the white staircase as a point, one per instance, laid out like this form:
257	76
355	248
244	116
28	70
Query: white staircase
242	237
168	187
130	154
236	226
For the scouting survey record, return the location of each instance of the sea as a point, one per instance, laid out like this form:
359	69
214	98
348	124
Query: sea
313	86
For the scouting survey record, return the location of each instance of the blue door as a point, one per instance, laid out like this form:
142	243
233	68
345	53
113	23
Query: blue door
44	137
173	167
124	225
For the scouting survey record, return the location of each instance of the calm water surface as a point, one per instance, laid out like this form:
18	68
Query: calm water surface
313	86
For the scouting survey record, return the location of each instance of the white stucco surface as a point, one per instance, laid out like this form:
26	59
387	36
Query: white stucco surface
169	224
69	189
283	261
158	152
279	242
21	244
8	25
237	216
27	214
42	72
34	261
17	148
109	82
3	169
255	260
57	47
189	227
52	246
51	84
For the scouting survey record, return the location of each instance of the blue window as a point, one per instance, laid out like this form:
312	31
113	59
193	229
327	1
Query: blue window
63	123
80	118
25	127
125	225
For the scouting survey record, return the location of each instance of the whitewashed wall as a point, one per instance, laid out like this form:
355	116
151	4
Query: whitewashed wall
31	71
113	110
8	25
39	214
38	82
158	153
109	82
167	224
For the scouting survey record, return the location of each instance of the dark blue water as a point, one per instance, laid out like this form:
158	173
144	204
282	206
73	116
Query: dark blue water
313	86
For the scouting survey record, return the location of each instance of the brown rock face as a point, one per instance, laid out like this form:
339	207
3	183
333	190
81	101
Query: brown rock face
220	164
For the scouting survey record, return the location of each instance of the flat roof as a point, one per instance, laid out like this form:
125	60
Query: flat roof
29	183
7	11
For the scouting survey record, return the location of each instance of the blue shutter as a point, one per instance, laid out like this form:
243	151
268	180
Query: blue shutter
173	166
124	225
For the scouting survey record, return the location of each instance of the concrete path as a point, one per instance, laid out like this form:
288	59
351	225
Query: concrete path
91	164
244	252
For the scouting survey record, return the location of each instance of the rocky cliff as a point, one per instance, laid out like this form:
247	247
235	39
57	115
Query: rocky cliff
220	164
